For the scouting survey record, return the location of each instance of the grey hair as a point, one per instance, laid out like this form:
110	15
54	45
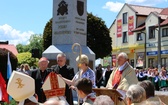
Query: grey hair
123	54
60	102
103	100
61	55
136	94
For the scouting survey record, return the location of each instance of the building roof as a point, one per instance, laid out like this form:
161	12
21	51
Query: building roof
145	10
165	22
163	16
139	28
164	11
9	47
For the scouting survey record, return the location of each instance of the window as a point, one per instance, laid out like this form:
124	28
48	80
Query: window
163	61
124	18
139	37
164	32
151	32
151	62
125	37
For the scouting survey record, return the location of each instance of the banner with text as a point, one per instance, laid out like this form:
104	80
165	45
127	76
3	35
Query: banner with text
119	28
130	25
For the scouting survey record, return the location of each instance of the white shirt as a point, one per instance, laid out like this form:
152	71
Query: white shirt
122	67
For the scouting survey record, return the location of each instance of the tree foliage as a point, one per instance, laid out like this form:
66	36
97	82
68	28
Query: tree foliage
47	35
22	48
98	36
36	42
26	57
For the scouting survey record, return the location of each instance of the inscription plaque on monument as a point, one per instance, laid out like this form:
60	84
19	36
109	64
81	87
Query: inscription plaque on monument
69	22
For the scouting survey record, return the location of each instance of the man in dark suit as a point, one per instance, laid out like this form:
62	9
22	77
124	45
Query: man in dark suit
66	72
39	75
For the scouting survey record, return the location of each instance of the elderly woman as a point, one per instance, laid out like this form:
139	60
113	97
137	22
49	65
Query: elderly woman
84	71
135	95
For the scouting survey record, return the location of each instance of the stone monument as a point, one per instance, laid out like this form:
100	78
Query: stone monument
69	26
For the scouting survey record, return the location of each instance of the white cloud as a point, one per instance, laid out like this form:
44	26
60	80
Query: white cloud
145	2
113	6
7	33
116	6
135	1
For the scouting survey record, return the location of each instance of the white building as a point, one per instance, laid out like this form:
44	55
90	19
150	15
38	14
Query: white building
135	31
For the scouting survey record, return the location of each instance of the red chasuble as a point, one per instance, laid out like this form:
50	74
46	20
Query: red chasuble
117	78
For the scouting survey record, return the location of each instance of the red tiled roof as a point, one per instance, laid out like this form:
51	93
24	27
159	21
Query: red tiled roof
164	11
165	22
139	28
11	48
145	10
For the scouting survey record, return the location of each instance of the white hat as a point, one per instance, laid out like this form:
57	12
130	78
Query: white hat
20	86
54	86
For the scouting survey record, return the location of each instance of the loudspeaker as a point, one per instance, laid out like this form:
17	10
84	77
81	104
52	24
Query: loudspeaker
35	53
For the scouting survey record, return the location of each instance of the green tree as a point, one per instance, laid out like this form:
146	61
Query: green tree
47	35
26	57
36	42
22	48
98	36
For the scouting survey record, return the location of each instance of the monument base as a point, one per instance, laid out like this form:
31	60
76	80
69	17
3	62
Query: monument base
52	51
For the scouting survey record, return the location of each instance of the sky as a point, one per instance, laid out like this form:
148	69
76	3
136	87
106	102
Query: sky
19	19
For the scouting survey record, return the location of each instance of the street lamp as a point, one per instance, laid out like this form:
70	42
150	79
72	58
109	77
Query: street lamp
159	45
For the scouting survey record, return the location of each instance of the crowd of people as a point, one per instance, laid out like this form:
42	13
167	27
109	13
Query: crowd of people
133	83
159	79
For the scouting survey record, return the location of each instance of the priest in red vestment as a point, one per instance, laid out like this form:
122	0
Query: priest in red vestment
123	76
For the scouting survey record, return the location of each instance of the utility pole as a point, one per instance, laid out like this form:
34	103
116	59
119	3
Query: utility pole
159	46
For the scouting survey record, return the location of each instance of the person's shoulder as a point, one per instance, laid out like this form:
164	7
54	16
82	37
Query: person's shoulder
53	66
87	103
48	69
69	67
34	70
91	70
